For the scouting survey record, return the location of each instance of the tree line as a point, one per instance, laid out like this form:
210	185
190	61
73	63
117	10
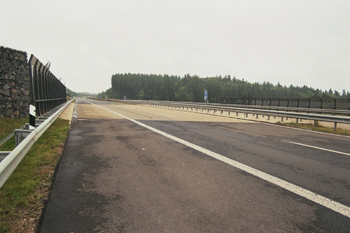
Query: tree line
191	88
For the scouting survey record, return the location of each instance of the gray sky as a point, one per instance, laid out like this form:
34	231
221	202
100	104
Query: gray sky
299	42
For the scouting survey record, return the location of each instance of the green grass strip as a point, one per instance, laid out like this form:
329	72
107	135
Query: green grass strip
24	194
7	126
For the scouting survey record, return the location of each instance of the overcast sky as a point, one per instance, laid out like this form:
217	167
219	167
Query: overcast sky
299	42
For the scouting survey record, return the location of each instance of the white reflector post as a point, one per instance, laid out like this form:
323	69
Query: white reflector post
32	115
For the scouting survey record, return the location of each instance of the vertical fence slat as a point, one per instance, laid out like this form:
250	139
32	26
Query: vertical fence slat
47	92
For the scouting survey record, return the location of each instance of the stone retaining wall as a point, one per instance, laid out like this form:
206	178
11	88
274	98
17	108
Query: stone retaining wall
14	84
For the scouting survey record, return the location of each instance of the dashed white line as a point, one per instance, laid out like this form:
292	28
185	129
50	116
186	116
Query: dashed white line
318	148
324	201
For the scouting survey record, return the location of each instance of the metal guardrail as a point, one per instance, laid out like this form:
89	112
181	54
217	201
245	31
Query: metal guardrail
11	161
315	101
287	109
11	135
258	111
7	138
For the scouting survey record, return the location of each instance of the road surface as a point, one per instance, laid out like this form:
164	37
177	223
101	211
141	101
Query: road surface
131	168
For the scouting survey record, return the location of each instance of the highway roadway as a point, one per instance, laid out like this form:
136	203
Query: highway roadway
132	168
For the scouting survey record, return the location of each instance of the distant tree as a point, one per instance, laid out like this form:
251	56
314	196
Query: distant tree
330	92
191	88
71	93
141	94
336	93
344	93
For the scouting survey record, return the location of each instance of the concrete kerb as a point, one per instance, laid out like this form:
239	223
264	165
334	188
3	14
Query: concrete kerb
67	114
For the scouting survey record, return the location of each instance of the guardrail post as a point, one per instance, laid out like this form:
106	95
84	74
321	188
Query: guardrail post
21	134
335	126
3	154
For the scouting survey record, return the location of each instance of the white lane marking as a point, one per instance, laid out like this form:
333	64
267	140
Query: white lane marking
164	115
308	130
324	201
75	112
319	148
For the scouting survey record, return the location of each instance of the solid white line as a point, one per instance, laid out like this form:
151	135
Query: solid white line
324	201
318	148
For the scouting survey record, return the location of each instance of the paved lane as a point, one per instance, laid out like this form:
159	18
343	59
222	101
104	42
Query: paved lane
116	175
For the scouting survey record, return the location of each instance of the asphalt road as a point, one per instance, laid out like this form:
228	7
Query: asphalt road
130	168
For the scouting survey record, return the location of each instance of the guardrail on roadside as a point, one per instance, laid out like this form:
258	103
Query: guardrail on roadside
11	161
324	102
281	112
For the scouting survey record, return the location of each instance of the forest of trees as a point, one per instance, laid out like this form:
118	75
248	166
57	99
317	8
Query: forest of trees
191	88
71	93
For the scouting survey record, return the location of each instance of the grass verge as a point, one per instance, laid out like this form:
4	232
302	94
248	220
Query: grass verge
24	194
317	128
7	126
